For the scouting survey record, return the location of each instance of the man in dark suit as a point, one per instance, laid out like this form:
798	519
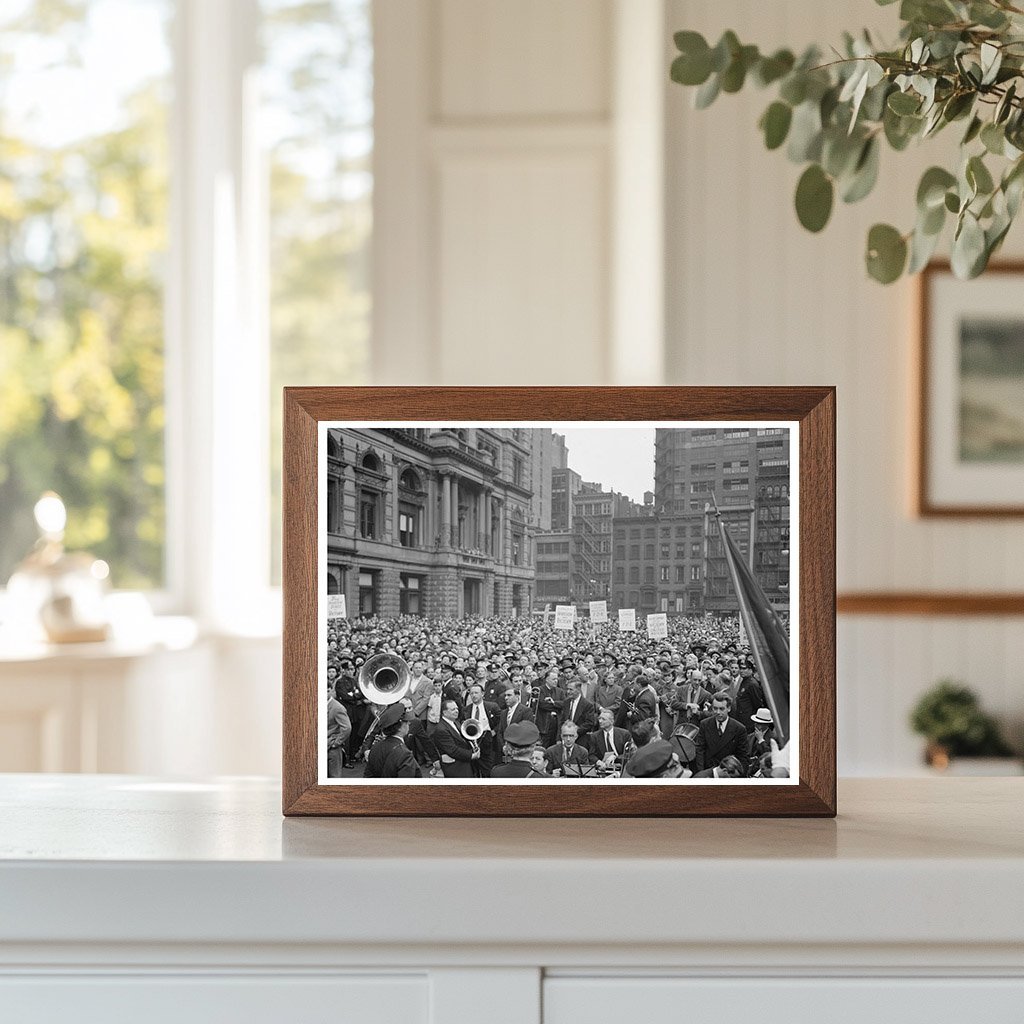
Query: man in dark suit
607	739
720	736
389	757
488	715
515	712
645	703
458	759
578	710
749	698
568	751
552	697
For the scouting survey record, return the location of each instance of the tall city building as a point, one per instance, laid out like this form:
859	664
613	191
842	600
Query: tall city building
674	559
565	484
547	452
430	521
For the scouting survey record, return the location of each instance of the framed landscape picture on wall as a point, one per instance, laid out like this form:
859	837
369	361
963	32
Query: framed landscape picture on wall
970	445
559	601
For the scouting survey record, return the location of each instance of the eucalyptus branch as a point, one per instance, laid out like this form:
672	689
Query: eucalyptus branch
833	117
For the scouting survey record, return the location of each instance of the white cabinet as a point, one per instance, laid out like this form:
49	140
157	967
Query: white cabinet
767	1000
126	897
205	999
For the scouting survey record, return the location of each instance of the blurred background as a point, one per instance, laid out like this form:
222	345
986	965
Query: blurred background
202	201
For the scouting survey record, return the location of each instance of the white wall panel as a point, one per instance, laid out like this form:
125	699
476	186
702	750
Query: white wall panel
522	289
752	298
531	58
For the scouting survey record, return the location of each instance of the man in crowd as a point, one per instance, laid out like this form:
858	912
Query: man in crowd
515	712
487	715
730	768
520	739
656	760
389	757
458	758
578	710
338	728
608	743
720	736
749	697
552	697
568	751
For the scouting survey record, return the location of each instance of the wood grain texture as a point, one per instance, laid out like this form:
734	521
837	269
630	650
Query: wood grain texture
923	504
813	407
925	603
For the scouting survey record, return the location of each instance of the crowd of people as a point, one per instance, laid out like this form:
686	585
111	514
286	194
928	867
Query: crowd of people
517	698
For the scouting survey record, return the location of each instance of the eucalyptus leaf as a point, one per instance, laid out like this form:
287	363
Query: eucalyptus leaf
886	253
707	93
991	60
805	133
1004	106
814	194
775	123
968	247
978	176
904	103
922	248
771	69
724	51
973	129
993	138
931	190
987	15
952	202
794	88
865	173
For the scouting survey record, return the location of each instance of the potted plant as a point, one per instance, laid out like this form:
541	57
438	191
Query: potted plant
950	717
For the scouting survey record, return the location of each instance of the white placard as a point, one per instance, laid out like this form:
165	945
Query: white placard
598	611
657	626
336	606
565	615
627	620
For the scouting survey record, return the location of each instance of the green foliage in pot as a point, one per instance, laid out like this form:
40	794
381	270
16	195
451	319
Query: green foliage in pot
949	716
957	62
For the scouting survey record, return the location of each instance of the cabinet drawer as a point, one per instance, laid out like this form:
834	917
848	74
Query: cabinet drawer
568	1000
205	999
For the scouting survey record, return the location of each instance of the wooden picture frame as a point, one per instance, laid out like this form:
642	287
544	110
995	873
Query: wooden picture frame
948	483
810	410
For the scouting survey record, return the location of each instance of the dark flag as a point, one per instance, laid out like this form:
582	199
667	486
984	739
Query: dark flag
766	634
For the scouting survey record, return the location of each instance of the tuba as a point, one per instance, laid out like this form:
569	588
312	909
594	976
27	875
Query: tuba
384	679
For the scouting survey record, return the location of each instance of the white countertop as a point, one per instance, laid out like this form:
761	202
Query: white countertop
122	859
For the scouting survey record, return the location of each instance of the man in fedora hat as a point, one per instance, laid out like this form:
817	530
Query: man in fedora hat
762	726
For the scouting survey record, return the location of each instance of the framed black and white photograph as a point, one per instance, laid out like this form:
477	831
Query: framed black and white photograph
970	452
566	607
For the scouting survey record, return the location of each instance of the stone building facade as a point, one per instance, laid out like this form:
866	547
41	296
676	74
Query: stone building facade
433	522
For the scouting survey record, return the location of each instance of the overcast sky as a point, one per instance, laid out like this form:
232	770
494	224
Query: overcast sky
621	458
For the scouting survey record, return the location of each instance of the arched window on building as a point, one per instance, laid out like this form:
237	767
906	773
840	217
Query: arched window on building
370	462
410	480
333	446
